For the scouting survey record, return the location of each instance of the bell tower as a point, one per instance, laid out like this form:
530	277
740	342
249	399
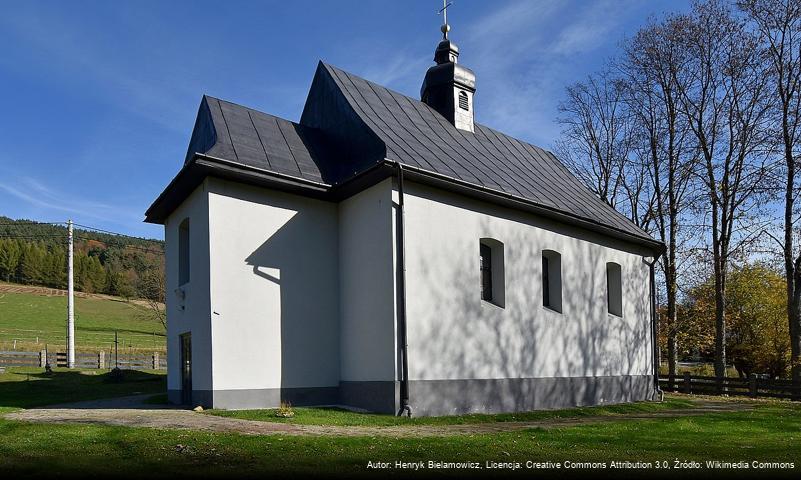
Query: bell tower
449	87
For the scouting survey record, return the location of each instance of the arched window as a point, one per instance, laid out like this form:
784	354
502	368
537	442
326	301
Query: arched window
614	289
491	266
464	101
552	280
183	252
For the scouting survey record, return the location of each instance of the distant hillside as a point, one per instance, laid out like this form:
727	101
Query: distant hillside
32	317
36	254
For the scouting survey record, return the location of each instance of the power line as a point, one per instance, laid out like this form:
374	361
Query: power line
30	236
30	222
43	236
113	233
86	227
124	246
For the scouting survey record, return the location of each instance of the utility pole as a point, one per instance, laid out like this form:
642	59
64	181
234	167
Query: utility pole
70	302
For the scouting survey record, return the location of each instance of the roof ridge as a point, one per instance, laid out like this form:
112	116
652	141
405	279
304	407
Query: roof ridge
251	109
522	159
350	124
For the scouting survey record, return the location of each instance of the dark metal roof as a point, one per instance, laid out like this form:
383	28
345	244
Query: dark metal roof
350	125
415	134
243	135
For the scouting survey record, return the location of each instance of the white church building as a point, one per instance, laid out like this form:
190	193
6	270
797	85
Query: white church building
390	254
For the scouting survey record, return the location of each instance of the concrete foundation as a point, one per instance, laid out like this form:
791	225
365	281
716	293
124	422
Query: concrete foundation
443	397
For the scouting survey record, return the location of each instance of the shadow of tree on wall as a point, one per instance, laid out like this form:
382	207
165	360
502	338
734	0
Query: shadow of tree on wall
526	340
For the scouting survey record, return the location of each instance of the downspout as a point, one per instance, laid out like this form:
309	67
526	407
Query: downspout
654	339
404	381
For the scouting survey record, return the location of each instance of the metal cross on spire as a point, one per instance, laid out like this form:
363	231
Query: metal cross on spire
444	12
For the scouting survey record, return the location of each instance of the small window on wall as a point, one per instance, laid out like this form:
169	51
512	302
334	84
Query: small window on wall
491	266
614	289
552	280
183	252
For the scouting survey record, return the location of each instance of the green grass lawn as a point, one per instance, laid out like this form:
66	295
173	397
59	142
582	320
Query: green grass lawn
26	316
335	416
31	387
769	432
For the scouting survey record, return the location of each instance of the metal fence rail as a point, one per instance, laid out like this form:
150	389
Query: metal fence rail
750	387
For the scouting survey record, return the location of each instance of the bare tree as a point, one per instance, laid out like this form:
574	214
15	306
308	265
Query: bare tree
779	25
596	139
153	287
723	94
651	65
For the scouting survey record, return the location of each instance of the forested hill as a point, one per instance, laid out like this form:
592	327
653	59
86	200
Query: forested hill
36	254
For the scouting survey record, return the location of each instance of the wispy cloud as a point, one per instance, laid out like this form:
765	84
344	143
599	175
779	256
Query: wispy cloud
403	71
53	202
526	52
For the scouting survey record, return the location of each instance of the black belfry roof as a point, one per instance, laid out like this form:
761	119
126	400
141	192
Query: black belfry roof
353	131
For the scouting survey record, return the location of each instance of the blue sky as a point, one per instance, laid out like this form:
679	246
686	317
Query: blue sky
99	98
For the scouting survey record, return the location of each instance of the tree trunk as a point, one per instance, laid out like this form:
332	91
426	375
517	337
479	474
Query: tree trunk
794	316
672	321
720	321
791	267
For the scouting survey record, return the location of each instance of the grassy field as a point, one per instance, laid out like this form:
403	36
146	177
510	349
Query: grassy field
771	432
35	320
334	416
31	387
767	434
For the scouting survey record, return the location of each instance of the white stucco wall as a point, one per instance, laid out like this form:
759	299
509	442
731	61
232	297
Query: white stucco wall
367	309
287	291
453	334
194	316
274	288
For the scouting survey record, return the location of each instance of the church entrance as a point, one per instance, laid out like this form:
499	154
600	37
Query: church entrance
186	368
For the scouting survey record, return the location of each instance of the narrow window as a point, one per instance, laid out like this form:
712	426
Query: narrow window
552	280
491	264
546	287
183	252
486	272
614	289
464	102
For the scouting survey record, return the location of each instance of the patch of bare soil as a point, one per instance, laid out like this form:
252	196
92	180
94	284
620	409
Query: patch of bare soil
132	414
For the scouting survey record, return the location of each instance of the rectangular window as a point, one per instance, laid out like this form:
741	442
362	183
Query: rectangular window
552	280
183	252
614	289
485	253
546	287
492	271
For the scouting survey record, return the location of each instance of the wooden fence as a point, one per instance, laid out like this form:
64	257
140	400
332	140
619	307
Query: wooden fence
100	360
750	387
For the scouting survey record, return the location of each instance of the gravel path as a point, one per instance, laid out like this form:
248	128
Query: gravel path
130	412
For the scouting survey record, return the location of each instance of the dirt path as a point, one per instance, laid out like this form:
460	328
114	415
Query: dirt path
130	412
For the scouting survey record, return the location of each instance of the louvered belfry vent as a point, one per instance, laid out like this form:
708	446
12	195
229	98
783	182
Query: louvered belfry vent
464	102
449	87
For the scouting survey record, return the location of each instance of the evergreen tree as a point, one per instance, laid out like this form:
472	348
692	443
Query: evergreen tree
10	253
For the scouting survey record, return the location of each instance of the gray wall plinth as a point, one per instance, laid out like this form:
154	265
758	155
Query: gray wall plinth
455	397
272	397
442	397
